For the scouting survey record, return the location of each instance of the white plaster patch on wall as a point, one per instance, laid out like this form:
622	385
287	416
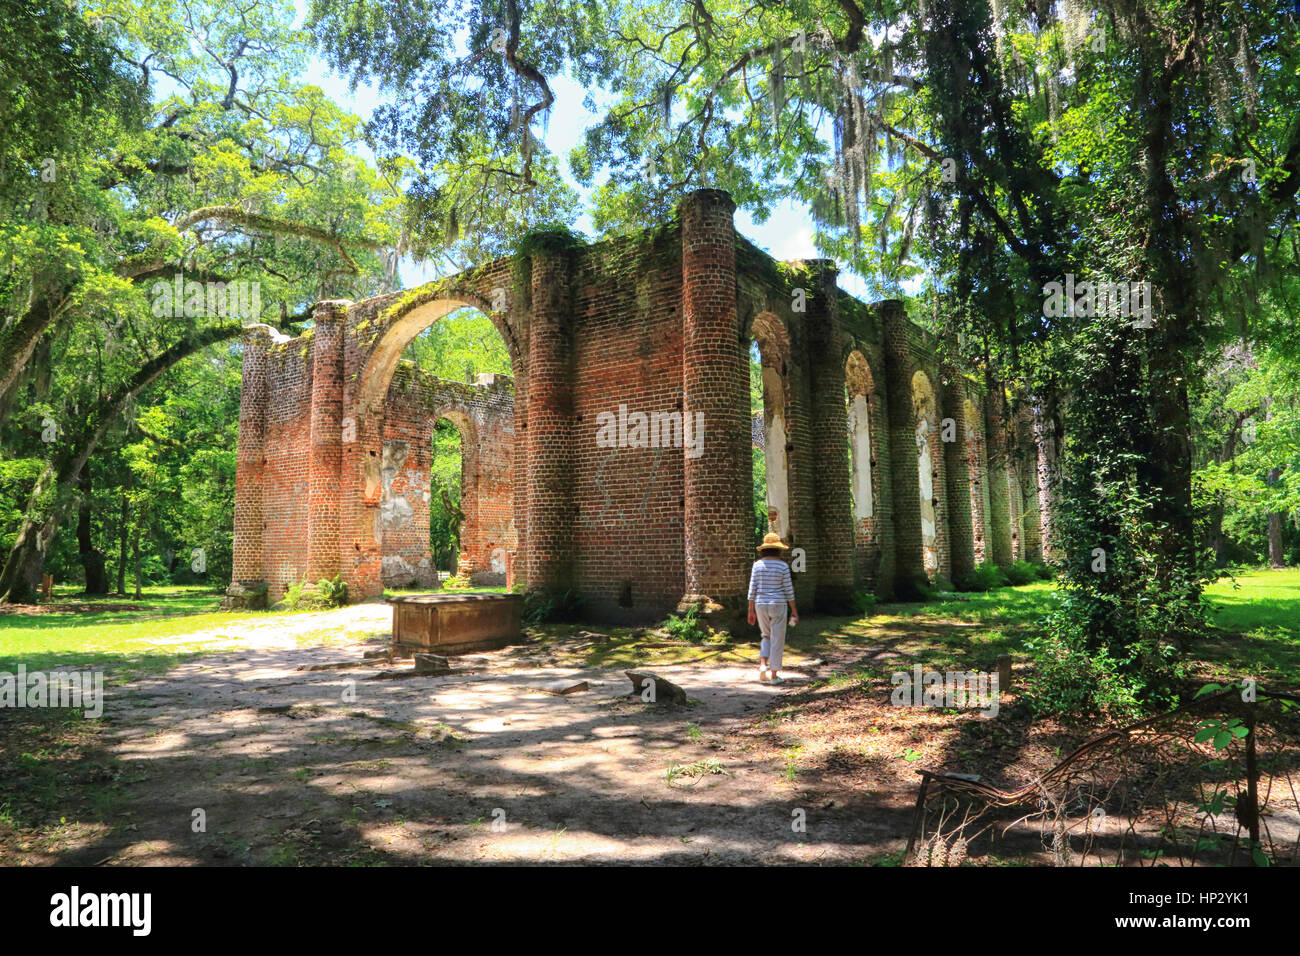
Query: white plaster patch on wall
929	529
394	510
860	429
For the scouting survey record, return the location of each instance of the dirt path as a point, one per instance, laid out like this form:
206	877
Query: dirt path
284	765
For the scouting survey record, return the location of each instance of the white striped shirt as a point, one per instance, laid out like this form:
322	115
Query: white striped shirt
769	582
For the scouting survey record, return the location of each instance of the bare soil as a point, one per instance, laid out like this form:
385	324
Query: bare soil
247	756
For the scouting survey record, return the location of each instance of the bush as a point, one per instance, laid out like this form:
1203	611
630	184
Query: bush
686	626
456	583
1022	572
865	602
328	594
542	607
1045	571
1069	680
332	593
986	577
293	595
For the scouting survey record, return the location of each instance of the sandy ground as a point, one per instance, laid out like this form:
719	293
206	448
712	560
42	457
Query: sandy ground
244	757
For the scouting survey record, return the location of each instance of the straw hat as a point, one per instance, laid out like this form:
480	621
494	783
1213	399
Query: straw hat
771	542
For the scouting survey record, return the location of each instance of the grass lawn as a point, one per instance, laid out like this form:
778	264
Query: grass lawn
1257	612
122	641
399	592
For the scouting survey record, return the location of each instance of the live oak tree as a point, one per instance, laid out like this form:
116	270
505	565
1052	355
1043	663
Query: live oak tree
466	97
238	174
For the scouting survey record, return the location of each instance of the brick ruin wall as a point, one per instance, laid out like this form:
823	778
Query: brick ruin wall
598	478
483	414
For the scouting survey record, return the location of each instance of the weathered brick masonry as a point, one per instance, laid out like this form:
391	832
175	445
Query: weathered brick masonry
594	476
483	413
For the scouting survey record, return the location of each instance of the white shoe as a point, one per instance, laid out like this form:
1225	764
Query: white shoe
764	674
775	680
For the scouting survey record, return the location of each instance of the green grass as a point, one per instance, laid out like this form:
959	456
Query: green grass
1008	607
1257	597
1258	609
123	641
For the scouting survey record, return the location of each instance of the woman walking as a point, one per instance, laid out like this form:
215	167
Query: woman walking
770	591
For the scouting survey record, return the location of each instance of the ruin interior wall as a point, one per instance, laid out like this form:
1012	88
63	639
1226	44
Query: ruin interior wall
483	413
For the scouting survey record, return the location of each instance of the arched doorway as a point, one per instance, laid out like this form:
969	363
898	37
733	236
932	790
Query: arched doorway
419	374
859	395
928	451
864	488
772	343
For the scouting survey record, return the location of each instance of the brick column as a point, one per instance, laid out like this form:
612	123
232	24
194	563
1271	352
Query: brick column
998	548
1031	532
325	455
939	480
1048	473
715	382
832	508
883	533
250	459
519	473
549	428
909	561
961	535
977	473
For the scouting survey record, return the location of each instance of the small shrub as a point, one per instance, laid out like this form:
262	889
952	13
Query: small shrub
542	607
1045	571
456	583
1070	680
1022	572
865	602
331	593
293	594
686	626
327	594
986	577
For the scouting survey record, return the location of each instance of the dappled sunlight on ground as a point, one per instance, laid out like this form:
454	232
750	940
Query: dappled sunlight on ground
359	765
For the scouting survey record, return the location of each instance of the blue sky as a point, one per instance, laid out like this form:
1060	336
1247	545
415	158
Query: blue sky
787	234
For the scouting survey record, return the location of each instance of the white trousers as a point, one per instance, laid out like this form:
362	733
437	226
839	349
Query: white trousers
771	622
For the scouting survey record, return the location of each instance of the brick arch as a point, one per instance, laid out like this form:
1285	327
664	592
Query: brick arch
380	335
487	491
400	325
483	415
